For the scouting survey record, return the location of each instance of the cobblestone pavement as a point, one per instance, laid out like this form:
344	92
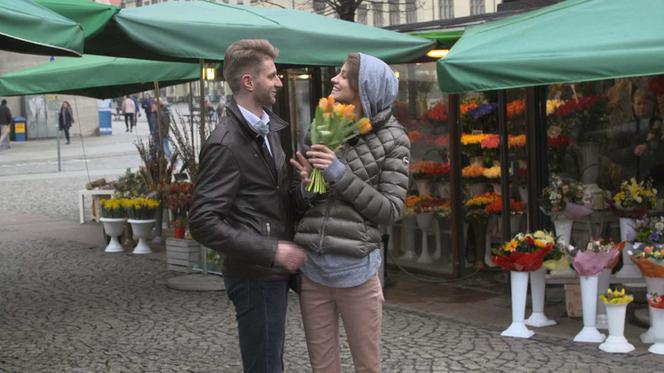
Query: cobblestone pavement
69	307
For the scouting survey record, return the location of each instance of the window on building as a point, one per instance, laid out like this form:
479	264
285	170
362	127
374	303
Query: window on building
446	9
362	13
476	7
377	13
394	12
411	11
319	6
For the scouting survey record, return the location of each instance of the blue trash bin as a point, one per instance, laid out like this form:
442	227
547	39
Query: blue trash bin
105	117
20	129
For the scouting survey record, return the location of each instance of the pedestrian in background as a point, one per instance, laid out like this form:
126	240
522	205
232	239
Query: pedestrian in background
242	205
6	120
129	110
138	110
146	104
367	180
65	119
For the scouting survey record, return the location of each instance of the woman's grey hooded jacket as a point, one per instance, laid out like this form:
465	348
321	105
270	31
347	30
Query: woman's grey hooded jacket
372	190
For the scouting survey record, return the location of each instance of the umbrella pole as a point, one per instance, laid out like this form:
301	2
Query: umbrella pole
58	141
200	129
191	117
160	160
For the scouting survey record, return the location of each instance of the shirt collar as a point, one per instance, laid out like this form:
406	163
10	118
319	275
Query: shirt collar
251	118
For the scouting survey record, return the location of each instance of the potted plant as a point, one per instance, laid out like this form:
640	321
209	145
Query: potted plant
649	259
141	212
113	218
656	304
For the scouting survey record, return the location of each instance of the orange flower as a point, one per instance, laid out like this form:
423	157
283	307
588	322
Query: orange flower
472	171
516	141
364	126
468	106
327	104
412	200
349	112
515	108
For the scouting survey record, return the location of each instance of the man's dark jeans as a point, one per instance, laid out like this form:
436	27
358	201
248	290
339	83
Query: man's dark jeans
260	311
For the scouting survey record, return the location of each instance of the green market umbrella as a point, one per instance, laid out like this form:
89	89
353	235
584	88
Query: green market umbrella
572	41
191	31
96	76
27	27
90	15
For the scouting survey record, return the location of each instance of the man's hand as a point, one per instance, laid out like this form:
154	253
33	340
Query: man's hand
640	149
321	157
302	165
290	256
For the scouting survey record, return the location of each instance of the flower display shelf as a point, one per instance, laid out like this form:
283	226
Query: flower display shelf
616	342
519	290
537	291
589	298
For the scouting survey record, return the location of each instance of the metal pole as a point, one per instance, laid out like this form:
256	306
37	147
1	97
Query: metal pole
456	193
58	142
191	116
160	158
504	165
201	132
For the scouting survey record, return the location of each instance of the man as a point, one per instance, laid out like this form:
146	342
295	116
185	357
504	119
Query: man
6	120
146	104
241	205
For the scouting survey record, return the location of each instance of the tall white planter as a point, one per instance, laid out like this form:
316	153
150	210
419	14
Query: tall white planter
113	228
424	221
537	294
519	288
142	230
602	286
423	187
654	285
408	245
589	297
616	342
443	189
563	227
492	224
657	323
627	233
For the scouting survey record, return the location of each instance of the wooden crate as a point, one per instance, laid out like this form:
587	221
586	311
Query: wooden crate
573	300
181	254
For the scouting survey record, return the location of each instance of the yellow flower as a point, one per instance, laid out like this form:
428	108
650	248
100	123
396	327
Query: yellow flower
511	246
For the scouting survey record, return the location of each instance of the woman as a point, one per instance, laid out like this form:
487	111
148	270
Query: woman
65	119
367	179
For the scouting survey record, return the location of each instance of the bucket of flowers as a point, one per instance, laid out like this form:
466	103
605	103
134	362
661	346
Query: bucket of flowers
633	199
616	302
178	198
589	262
522	254
656	303
563	201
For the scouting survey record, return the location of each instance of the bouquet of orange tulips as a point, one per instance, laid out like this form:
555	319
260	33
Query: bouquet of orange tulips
333	125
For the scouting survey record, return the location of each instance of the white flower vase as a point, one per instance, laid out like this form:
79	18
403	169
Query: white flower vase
424	221
563	227
616	342
602	320
142	230
654	285
523	194
627	233
537	291
519	289
113	227
423	187
657	323
408	247
589	297
443	189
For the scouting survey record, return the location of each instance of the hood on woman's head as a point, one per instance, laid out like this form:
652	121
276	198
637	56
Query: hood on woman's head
378	86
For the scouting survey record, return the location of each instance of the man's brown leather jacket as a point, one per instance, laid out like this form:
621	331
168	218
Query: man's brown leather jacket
241	205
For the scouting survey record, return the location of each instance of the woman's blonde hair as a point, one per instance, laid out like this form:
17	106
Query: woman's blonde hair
246	56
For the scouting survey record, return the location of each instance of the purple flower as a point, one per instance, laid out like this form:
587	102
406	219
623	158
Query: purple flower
655	237
481	110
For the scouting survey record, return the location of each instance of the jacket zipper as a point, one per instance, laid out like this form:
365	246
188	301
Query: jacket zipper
323	226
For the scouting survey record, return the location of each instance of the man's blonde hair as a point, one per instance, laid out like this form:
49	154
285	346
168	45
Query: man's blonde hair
246	56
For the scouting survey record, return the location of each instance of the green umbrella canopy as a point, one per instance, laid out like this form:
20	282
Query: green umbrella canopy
27	27
92	16
196	30
96	76
572	41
